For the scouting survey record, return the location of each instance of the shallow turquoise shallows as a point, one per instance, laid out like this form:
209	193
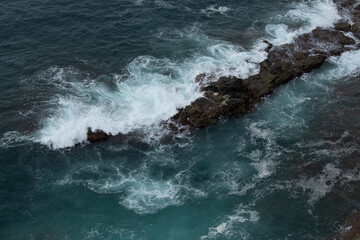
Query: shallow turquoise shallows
287	170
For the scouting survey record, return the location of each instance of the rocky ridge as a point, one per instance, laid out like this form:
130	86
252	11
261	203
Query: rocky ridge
230	96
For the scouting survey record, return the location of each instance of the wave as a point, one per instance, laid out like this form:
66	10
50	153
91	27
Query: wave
137	190
230	224
142	193
310	15
215	9
152	89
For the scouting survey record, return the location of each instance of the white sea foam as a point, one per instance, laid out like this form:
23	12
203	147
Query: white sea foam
153	89
103	231
348	64
13	139
164	4
215	9
151	92
264	155
230	224
320	185
138	2
322	13
145	98
137	190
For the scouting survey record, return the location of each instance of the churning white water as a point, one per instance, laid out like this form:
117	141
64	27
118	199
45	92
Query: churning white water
153	89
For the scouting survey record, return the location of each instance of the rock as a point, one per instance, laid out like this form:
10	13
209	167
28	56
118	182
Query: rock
202	112
356	26
97	136
353	7
204	79
269	47
310	170
232	85
352	231
199	78
210	87
343	26
347	3
232	96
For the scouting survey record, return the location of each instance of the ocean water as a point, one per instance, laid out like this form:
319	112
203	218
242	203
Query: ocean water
287	170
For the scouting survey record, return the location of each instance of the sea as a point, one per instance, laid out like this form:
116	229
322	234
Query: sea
287	170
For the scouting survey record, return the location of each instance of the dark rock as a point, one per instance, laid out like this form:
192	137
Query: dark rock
232	85
310	170
343	26
199	78
232	96
204	79
202	112
97	136
346	3
269	47
356	26
352	230
211	87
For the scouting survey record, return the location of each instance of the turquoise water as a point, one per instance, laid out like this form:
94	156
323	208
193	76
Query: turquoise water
125	66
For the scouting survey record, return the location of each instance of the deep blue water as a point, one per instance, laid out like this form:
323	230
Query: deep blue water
125	66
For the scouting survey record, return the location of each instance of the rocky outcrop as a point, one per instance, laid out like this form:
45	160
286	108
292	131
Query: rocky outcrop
230	96
352	228
97	136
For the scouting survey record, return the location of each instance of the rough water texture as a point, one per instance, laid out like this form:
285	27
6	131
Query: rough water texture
230	96
287	169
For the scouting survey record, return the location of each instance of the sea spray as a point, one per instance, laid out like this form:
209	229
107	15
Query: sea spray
153	89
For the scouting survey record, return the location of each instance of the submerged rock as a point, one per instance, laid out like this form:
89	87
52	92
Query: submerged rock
352	229
310	170
343	26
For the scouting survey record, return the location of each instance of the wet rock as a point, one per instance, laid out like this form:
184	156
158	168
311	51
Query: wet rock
228	85
352	229
356	26
97	136
346	3
310	170
353	7
210	87
336	38
269	47
343	26
232	96
201	113
204	78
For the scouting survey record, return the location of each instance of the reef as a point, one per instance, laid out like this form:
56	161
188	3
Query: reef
352	229
230	96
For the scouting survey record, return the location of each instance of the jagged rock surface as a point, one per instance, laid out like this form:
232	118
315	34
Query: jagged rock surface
230	96
96	136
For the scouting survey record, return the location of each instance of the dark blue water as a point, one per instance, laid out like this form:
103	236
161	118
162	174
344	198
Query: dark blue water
288	170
